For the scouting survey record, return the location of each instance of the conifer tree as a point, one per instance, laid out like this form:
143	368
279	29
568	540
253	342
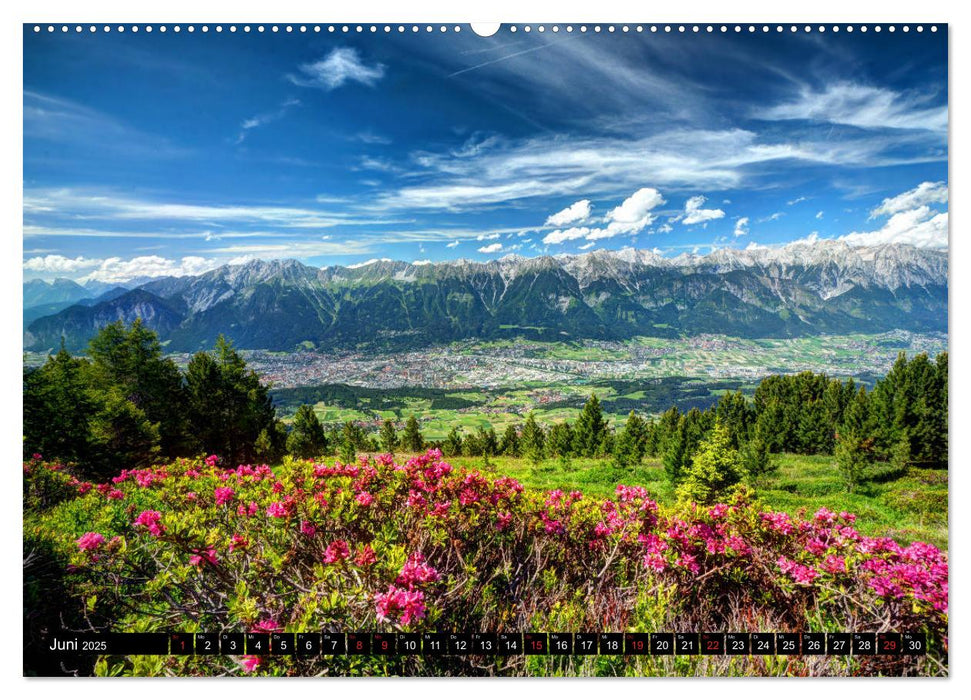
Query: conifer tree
389	436
590	429
715	470
307	439
413	440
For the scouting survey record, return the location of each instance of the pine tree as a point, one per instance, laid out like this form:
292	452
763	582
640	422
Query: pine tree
631	444
227	405
389	436
488	441
307	439
756	459
130	360
532	442
854	452
676	454
715	470
123	436
453	443
735	414
509	444
590	429
413	440
560	441
58	407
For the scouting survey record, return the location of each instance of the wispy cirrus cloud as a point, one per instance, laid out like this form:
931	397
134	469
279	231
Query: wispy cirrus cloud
554	166
863	106
265	118
341	66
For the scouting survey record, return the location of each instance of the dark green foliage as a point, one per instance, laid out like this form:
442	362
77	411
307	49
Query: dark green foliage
631	445
560	440
590	430
532	442
128	406
130	359
389	436
228	405
413	440
452	447
757	461
58	407
509	445
307	439
736	415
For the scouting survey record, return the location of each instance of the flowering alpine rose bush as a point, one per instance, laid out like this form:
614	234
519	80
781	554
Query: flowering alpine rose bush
420	546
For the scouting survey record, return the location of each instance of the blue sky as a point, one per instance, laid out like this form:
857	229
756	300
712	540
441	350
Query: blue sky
149	154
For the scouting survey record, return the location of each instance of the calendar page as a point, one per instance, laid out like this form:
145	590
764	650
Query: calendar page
535	350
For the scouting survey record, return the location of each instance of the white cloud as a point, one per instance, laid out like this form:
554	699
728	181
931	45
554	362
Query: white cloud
58	264
575	167
791	202
115	269
421	262
453	244
578	211
924	193
339	67
264	119
570	234
587	246
694	214
372	261
491	248
665	228
487	237
862	106
635	212
921	227
819	214
741	227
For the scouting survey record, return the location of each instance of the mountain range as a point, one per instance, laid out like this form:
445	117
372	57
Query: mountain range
821	287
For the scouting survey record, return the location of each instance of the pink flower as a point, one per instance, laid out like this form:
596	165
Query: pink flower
212	460
503	520
249	663
224	494
277	510
408	605
115	495
209	555
90	540
364	498
336	551
416	571
834	565
267	625
366	556
192	496
307	528
149	519
238	542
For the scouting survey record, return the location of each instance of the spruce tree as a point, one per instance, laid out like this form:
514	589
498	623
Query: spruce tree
532	442
509	444
715	470
389	436
307	439
590	429
453	443
413	440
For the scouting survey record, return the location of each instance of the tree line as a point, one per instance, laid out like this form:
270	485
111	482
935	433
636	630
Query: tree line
126	405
